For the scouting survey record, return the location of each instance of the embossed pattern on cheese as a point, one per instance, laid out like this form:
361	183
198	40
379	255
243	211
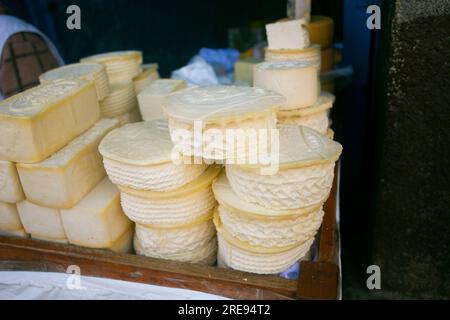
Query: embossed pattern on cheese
37	122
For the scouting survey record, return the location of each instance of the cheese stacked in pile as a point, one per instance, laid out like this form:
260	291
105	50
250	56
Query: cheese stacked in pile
126	77
292	69
53	184
267	219
171	202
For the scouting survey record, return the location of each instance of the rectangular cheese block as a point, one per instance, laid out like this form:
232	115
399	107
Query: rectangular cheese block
15	233
41	221
61	180
243	70
97	221
65	241
9	217
10	187
152	98
38	122
125	243
291	34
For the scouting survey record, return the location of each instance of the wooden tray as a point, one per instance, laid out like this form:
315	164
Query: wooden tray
317	280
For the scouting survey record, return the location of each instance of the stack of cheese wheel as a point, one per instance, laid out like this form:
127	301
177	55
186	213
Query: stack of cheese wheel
222	123
146	77
59	167
122	68
267	219
171	202
94	72
291	69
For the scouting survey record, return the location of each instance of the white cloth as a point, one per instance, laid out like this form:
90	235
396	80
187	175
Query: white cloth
24	285
10	25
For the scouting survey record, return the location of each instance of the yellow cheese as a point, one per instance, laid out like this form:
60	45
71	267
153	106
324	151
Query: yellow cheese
9	218
125	243
10	187
146	77
243	70
321	31
65	241
38	122
97	221
61	180
14	233
121	100
93	72
41	221
129	117
153	97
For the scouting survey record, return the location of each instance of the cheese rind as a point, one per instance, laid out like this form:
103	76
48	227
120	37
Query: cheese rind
291	34
152	98
64	240
10	187
97	221
297	81
37	122
311	54
121	100
61	180
41	221
93	72
9	217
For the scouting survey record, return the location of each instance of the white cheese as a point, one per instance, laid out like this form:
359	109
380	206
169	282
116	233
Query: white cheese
291	34
9	217
93	72
125	242
121	100
129	117
38	122
15	233
10	187
97	221
146	77
152	98
61	180
41	221
297	81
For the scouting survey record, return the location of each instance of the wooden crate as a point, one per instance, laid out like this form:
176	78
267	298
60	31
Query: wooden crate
318	279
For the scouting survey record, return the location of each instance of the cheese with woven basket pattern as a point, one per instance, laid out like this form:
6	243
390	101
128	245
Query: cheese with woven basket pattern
260	226
139	156
41	221
38	122
202	119
195	242
304	175
93	72
297	81
61	180
314	117
242	256
173	208
121	66
97	221
121	100
10	187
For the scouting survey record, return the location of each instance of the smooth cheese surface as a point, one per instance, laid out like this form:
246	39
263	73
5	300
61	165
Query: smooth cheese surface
97	221
125	242
152	98
297	81
93	72
9	217
15	233
10	187
61	180
145	78
142	143
291	34
38	122
221	103
41	221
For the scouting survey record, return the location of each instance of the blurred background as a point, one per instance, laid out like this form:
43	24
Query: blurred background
392	111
